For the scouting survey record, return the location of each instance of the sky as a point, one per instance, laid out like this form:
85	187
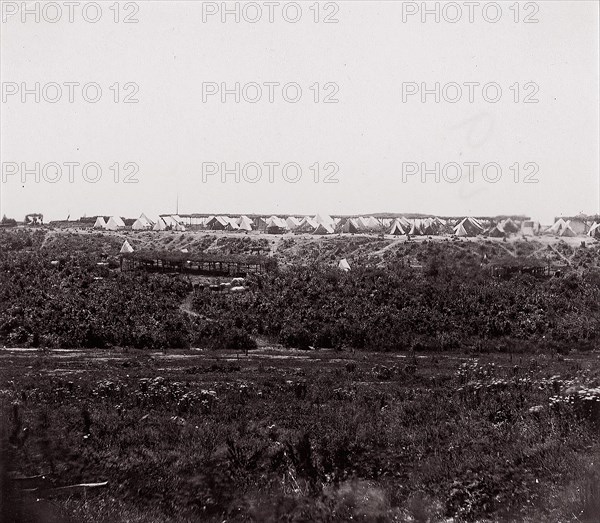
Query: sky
529	148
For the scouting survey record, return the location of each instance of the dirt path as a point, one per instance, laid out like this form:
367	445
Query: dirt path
186	307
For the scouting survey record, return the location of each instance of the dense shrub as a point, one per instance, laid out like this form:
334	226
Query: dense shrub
396	309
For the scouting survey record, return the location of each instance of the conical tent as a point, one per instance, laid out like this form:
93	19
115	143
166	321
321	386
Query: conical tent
116	222
100	223
245	224
276	225
557	227
160	225
324	219
145	220
397	229
111	224
568	230
244	219
459	230
344	265
510	226
232	225
372	223
471	226
594	231
405	222
323	229
126	248
307	225
496	232
348	226
292	223
415	229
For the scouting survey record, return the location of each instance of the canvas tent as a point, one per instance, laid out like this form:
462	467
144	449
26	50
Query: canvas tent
372	223
218	223
159	225
139	225
323	229
497	231
126	248
307	225
568	231
114	223
324	219
405	222
276	225
100	223
594	231
245	223
509	226
415	228
557	227
468	227
142	223
292	222
530	228
344	265
460	230
397	229
349	226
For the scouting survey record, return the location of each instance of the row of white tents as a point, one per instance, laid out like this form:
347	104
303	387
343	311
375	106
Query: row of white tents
323	224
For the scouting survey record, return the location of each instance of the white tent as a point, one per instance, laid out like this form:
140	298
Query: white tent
142	223
405	222
397	229
459	230
557	227
372	223
169	221
344	265
307	225
594	231
468	227
292	223
324	229
324	219
100	223
245	223
567	230
244	220
160	225
114	223
126	248
530	228
139	225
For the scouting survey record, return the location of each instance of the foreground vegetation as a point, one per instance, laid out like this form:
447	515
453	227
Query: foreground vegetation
309	438
433	392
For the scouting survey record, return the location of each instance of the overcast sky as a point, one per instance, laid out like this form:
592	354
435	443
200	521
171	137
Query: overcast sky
367	138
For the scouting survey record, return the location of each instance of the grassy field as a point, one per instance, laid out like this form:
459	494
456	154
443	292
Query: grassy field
299	436
427	391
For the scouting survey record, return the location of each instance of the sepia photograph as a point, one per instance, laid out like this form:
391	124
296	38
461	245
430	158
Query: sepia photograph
300	261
